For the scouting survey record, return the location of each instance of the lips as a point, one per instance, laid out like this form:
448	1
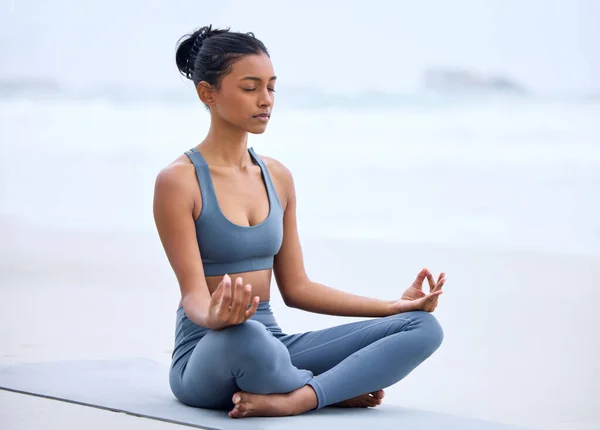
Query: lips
262	115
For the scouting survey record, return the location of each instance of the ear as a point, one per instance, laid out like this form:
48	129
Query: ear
205	93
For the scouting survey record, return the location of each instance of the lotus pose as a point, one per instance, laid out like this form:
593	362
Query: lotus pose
226	217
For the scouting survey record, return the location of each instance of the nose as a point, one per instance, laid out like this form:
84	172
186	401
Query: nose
266	98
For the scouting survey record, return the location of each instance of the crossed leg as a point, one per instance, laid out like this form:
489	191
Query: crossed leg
352	360
306	370
364	357
245	356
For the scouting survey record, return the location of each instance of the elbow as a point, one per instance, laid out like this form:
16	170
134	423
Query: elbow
289	301
287	295
292	297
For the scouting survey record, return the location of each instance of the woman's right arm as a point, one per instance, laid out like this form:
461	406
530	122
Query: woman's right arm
173	215
174	218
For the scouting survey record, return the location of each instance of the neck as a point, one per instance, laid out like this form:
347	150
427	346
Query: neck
226	145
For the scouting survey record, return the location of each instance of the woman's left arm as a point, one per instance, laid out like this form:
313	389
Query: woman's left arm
297	290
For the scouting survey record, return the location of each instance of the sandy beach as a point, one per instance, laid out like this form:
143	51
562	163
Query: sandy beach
520	344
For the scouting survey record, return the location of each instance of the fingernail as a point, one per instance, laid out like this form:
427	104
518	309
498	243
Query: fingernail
236	399
226	278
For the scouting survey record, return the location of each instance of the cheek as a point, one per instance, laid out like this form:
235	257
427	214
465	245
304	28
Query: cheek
234	106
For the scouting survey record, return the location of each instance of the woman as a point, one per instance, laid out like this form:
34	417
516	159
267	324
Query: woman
227	221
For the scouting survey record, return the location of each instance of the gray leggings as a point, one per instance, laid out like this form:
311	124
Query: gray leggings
339	363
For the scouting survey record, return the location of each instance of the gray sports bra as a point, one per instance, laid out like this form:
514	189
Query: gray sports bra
226	247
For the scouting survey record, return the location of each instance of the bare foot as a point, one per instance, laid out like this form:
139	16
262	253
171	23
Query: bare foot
363	401
273	405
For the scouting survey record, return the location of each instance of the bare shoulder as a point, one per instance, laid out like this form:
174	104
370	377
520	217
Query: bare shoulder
177	181
278	170
176	174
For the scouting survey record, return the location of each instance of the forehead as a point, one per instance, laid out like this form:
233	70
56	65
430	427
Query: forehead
258	65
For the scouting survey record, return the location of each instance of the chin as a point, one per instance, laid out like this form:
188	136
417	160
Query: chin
257	129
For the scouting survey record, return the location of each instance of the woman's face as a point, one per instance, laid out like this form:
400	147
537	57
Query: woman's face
246	95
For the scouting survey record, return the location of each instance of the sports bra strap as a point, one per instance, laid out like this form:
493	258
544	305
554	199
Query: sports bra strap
207	189
273	197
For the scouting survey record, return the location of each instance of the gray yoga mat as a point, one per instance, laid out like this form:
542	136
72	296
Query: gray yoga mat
140	387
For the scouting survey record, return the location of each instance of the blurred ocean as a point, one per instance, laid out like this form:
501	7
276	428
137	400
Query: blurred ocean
485	172
499	192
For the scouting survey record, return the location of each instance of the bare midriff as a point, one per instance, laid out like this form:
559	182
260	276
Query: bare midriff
260	281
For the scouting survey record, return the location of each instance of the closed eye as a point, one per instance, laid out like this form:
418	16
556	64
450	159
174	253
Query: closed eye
254	89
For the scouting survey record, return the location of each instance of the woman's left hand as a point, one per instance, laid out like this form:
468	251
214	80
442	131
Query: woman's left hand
415	299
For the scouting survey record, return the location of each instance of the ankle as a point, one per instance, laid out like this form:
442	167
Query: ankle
302	400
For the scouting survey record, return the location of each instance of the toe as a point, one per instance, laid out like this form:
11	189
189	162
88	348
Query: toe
365	401
239	411
378	394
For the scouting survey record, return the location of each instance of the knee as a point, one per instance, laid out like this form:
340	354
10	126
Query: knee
247	340
246	333
252	344
244	330
428	332
431	329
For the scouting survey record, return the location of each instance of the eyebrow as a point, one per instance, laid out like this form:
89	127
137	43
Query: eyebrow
255	78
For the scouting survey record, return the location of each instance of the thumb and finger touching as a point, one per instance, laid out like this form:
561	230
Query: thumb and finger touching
418	284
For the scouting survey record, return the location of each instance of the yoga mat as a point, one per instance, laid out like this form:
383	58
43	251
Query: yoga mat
140	387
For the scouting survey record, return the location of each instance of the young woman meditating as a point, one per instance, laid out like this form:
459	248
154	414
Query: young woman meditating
226	217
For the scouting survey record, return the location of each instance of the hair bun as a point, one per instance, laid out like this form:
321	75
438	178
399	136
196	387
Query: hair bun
189	48
198	37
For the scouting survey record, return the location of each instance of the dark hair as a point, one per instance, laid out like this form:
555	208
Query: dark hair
208	54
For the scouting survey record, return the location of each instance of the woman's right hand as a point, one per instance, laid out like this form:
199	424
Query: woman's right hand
229	304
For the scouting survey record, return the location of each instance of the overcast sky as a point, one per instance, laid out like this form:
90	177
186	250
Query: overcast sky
341	46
